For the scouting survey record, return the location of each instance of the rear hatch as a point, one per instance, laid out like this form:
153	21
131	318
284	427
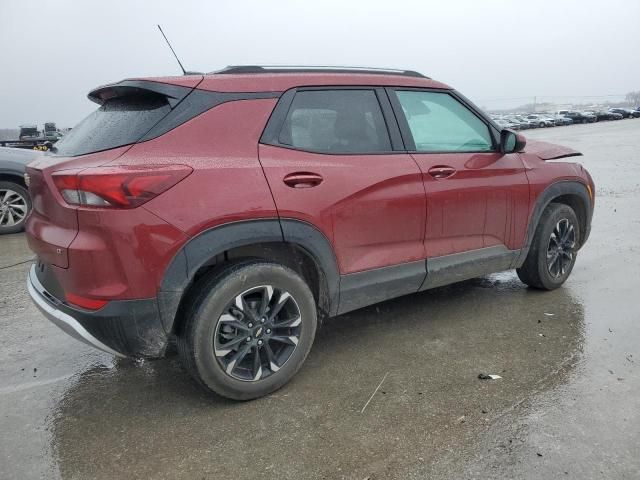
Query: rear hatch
129	112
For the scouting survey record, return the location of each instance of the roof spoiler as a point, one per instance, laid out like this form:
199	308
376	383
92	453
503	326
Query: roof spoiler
173	93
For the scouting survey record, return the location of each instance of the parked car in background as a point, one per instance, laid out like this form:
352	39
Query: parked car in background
15	203
507	124
524	122
532	123
513	121
562	117
606	115
541	121
577	117
515	124
319	208
561	120
625	112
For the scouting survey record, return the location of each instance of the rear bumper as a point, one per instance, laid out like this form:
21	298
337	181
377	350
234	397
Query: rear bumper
125	328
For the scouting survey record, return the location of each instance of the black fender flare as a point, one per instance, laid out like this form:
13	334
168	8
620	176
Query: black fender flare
204	247
12	175
553	191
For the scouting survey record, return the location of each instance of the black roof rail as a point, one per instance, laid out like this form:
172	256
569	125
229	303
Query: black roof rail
242	69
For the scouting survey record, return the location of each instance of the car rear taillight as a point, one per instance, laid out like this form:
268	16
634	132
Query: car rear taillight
118	186
86	303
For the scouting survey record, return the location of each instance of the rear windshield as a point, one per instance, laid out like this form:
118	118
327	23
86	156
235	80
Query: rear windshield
119	121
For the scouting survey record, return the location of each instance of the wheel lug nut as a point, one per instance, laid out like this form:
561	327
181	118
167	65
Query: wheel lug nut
263	319
250	325
268	330
260	342
248	339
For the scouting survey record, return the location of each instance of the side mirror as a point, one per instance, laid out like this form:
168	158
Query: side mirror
511	141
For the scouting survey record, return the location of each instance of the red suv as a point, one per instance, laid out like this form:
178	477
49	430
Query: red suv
233	210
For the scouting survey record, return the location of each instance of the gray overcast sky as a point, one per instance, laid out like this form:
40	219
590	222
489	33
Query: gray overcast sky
495	52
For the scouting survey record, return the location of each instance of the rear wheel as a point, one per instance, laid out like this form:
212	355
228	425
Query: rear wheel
248	329
15	205
553	250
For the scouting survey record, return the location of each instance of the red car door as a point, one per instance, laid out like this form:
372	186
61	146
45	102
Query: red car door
477	197
475	200
331	162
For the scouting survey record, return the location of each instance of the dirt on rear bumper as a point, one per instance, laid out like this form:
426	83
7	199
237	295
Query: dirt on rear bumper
128	328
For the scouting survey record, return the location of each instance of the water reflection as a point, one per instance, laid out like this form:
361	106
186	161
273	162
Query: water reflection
150	420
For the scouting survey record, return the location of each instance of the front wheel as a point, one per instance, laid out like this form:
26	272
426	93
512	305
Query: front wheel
15	205
553	250
248	329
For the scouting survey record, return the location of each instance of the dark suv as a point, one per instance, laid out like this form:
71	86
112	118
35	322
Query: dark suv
579	117
233	210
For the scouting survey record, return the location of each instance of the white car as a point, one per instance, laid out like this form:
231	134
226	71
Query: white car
541	121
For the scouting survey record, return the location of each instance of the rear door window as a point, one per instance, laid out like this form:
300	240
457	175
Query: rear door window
336	121
119	121
440	123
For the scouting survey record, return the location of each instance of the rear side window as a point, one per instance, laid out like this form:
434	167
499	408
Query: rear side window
440	123
119	121
336	121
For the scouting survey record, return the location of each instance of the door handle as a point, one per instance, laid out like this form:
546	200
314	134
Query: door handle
302	180
441	171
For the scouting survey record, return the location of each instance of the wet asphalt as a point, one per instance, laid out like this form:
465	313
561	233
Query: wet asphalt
567	405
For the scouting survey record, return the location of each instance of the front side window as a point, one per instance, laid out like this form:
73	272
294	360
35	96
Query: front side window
336	121
440	123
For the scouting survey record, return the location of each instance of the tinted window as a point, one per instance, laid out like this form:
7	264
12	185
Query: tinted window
440	123
336	121
119	121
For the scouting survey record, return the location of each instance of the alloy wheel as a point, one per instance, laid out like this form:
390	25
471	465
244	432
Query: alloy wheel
13	208
257	333
560	249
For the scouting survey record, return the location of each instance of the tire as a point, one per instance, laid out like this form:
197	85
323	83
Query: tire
537	271
15	205
216	329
